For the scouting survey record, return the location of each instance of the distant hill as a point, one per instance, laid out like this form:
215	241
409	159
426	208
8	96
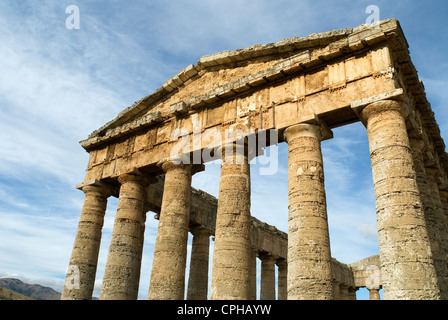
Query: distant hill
35	291
6	294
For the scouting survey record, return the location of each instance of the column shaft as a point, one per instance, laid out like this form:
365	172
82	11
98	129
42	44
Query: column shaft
374	294
198	279
407	266
309	257
232	252
122	274
253	273
267	280
337	290
80	279
343	291
444	198
282	277
438	233
170	252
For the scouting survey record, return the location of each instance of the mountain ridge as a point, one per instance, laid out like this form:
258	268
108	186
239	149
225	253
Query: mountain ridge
35	291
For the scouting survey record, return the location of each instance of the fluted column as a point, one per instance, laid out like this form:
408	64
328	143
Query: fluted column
81	273
170	252
282	276
232	252
309	257
407	267
267	279
122	274
198	279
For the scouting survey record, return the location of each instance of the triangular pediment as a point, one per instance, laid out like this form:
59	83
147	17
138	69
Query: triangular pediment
223	75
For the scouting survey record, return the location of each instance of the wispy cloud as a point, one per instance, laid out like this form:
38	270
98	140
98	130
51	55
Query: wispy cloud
58	85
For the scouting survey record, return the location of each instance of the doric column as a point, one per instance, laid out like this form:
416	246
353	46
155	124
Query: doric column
253	273
267	279
343	292
232	252
81	272
374	294
352	293
431	208
439	233
309	257
417	148
282	275
444	198
198	279
407	267
336	290
170	252
122	274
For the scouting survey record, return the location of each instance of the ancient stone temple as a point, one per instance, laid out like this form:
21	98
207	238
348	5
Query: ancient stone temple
230	106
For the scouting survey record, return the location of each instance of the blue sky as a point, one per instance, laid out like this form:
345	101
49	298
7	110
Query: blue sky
58	85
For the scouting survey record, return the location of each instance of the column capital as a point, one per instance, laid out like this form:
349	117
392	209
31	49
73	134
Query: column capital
240	149
378	107
96	186
199	230
255	250
358	105
129	177
266	256
170	164
281	262
317	129
137	175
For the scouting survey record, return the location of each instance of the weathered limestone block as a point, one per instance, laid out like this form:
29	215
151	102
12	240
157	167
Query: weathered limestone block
406	260
170	252
86	248
309	257
232	251
122	274
198	279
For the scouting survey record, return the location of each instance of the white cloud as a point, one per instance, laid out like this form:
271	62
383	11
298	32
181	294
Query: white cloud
58	85
368	230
